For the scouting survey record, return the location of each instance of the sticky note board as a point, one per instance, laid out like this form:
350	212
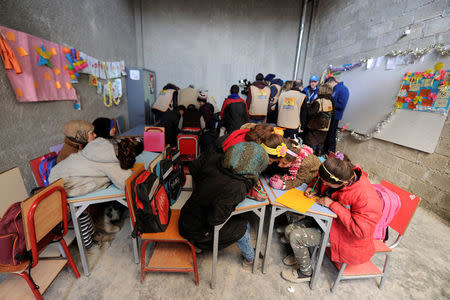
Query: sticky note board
297	200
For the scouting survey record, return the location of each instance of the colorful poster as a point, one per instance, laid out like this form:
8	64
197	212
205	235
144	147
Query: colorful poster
425	91
43	76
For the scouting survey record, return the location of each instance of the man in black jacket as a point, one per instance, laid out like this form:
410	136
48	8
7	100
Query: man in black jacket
234	112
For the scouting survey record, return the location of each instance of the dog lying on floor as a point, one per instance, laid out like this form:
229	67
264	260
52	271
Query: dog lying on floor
107	218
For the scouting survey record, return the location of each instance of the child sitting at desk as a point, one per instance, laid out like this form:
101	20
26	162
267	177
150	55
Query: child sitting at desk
346	190
222	182
101	162
302	163
77	134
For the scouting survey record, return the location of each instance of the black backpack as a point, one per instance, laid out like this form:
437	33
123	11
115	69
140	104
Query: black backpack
150	203
172	177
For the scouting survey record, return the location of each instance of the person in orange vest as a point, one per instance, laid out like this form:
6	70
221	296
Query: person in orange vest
292	109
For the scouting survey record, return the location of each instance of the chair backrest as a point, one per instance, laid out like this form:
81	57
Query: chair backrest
42	212
34	164
12	189
137	169
409	201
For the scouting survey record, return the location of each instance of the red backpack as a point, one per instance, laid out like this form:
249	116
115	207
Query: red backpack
150	203
12	236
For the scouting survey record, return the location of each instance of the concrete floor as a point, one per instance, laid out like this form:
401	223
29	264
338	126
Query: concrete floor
420	269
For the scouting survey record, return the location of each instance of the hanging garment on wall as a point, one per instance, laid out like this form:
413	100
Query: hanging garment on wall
38	83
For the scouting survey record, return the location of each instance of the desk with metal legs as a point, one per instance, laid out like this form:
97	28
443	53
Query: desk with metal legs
322	215
79	204
259	208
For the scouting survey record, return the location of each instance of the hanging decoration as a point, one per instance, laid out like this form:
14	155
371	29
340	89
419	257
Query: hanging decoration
43	56
425	91
76	63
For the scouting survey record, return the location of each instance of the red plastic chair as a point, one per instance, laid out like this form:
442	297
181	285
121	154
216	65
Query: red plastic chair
172	252
399	223
34	164
41	213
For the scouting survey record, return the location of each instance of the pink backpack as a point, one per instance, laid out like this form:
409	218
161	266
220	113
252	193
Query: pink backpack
12	237
391	205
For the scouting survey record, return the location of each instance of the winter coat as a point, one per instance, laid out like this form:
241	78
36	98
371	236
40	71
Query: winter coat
68	148
311	94
306	173
234	113
318	121
358	209
91	169
217	192
207	113
340	97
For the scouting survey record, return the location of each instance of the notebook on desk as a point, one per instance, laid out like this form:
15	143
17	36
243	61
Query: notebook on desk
296	200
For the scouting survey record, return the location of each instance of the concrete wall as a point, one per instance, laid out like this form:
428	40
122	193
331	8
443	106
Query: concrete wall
103	28
345	31
213	44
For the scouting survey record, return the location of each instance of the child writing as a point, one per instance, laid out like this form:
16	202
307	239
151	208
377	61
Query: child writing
346	190
303	166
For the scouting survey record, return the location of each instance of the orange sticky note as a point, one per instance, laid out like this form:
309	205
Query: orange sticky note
57	84
36	86
22	51
297	200
53	51
57	71
47	76
19	93
10	36
68	85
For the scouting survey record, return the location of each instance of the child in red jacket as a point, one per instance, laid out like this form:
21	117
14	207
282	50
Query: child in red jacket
347	191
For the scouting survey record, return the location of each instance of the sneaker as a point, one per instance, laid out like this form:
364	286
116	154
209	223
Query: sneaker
295	276
247	265
198	250
283	240
290	260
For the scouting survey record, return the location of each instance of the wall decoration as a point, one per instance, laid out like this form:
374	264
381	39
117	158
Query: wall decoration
37	83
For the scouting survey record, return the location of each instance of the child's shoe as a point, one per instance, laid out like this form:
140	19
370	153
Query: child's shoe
280	230
247	265
283	240
295	276
290	260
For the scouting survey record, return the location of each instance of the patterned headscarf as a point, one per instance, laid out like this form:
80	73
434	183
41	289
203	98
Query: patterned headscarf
78	131
247	159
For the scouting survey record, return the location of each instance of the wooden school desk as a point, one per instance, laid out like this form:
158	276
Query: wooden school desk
135	131
323	216
259	208
79	204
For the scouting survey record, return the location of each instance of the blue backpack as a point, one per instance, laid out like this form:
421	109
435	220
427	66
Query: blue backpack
48	161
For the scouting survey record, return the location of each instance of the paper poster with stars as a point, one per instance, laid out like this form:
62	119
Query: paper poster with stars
425	91
42	76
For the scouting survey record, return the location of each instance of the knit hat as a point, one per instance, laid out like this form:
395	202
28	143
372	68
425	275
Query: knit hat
269	77
247	159
202	96
78	130
102	127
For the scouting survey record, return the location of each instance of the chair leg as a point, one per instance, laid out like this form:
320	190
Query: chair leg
63	244
35	291
338	279
144	244
194	260
386	265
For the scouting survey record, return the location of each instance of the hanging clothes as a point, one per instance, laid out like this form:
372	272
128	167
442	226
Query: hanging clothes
9	58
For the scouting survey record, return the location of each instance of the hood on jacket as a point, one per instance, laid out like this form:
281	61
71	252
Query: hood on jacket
100	150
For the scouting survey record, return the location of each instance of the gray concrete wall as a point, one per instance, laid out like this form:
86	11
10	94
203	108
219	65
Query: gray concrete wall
213	44
103	29
346	31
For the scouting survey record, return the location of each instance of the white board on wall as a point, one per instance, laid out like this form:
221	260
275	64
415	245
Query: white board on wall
372	96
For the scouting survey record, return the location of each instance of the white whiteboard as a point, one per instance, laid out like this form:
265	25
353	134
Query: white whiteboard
372	96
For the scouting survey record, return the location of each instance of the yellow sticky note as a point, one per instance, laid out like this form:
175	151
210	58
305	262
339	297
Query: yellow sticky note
47	76
57	84
53	51
68	85
19	93
10	36
36	86
297	200
56	70
22	51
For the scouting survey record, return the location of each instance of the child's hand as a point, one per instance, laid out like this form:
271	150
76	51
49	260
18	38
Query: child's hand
308	192
276	182
325	201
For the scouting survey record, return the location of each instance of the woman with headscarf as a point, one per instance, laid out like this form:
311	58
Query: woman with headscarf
77	134
222	181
